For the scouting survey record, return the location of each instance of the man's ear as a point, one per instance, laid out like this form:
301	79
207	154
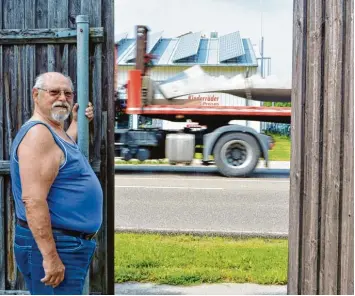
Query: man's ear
35	94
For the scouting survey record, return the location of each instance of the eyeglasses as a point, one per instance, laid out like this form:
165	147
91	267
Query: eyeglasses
58	92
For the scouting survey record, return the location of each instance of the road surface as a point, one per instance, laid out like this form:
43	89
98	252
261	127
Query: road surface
192	202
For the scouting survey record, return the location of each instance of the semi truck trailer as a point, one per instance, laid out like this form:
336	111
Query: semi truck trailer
235	149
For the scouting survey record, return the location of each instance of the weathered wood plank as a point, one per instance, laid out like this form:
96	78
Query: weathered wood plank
2	234
108	94
13	19
346	270
1	104
57	13
19	56
29	71
8	121
332	106
2	184
4	167
51	58
12	271
312	144
72	64
297	151
97	265
64	63
30	14
96	284
92	8
42	14
74	10
14	16
41	59
47	36
29	74
57	18
16	122
97	101
1	13
41	23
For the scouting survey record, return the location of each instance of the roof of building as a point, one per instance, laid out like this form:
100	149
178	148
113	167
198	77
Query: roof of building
191	48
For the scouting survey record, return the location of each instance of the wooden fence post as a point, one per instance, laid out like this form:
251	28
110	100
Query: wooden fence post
321	231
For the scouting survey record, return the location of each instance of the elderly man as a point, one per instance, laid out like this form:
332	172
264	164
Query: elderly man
58	198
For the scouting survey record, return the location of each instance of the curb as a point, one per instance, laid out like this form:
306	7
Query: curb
234	234
271	172
134	288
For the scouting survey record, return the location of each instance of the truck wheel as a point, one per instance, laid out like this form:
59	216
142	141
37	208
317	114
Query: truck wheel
236	154
126	154
142	154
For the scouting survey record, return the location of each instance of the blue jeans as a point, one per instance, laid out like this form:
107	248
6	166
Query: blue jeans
75	253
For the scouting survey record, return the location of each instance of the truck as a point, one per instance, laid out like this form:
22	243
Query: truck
234	149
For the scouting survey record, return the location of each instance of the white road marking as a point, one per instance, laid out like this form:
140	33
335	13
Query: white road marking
168	187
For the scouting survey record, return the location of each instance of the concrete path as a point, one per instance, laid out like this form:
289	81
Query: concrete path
276	168
211	289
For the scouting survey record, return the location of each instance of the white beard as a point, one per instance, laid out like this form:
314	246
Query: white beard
60	115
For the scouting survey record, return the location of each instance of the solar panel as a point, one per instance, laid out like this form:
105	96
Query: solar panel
202	51
124	48
188	46
165	58
250	57
230	46
153	39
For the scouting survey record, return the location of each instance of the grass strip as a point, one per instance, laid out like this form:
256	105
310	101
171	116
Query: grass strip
190	260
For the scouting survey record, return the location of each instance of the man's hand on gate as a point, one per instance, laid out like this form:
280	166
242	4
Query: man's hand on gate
89	112
53	270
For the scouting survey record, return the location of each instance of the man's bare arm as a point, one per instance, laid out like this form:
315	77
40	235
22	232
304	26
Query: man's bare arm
72	130
39	162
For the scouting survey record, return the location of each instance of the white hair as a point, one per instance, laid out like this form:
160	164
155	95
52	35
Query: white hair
39	81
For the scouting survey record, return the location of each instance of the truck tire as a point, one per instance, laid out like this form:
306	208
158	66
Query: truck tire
142	154
236	154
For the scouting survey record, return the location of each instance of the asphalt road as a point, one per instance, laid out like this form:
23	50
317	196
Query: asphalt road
192	202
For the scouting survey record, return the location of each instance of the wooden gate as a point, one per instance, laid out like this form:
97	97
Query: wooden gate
321	231
37	36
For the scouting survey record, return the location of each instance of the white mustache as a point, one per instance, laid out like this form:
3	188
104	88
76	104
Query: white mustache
61	105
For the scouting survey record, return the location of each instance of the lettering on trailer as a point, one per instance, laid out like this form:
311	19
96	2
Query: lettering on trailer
205	100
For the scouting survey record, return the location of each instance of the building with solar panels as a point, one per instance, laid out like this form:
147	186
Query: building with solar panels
226	55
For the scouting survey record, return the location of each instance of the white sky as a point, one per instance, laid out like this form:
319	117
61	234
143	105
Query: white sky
176	17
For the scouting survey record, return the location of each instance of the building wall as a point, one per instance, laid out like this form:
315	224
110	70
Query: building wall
162	73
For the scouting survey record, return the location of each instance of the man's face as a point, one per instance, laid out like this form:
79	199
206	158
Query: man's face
55	98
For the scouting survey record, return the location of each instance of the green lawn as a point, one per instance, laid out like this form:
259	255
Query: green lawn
281	150
189	260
